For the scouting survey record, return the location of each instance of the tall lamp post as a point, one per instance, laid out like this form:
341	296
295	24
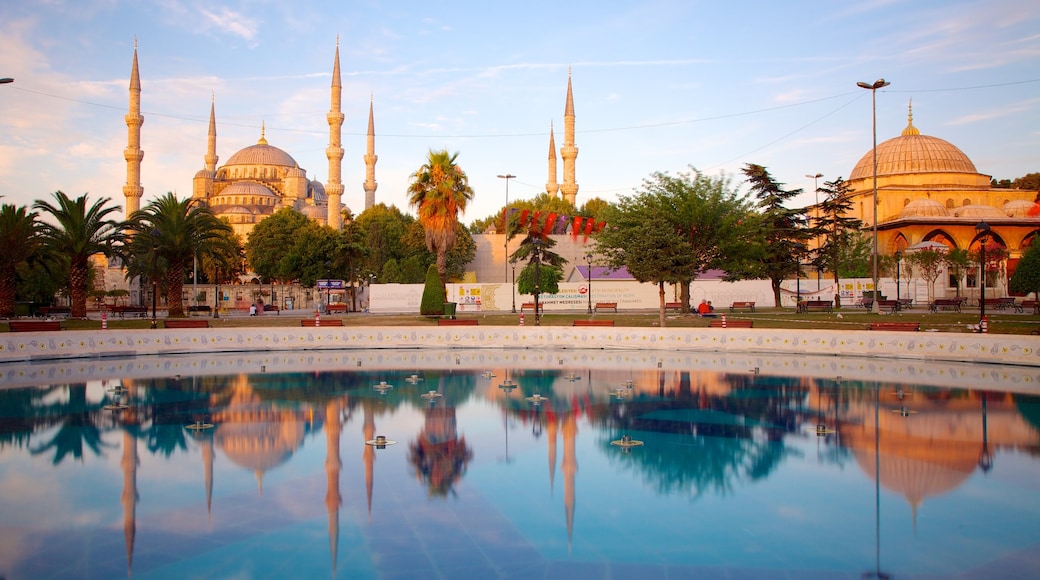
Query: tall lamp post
536	255
899	256
513	264
588	260
155	272
878	84
505	226
328	286
816	191
982	229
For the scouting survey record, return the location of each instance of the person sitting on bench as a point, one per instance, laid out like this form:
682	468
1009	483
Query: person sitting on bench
705	309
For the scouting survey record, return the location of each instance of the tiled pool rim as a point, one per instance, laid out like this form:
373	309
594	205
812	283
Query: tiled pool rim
996	349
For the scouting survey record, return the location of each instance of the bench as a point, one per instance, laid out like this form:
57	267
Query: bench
593	323
336	307
272	308
324	322
946	304
911	326
530	306
606	306
824	305
55	311
33	325
731	324
1034	304
890	305
185	323
122	311
457	322
1003	303
749	306
673	306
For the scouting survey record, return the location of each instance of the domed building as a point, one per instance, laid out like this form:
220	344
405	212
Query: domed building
928	190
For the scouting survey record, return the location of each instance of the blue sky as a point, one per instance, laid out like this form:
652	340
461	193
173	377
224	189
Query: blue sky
658	86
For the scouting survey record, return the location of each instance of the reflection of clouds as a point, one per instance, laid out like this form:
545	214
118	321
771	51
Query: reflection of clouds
788	512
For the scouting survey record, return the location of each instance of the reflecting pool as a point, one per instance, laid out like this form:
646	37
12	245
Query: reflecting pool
520	464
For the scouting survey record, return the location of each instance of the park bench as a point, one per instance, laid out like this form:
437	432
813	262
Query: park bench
946	304
530	306
272	308
336	307
457	322
905	303
890	305
186	323
731	324
1003	303
819	305
33	325
673	306
324	322
606	306
749	306
911	326
48	311
123	311
1034	304
593	323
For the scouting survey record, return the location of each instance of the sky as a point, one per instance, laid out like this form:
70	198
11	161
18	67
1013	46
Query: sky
659	86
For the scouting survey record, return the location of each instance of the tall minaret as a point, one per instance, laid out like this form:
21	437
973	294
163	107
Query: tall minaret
334	188
132	190
551	187
569	152
370	160
202	186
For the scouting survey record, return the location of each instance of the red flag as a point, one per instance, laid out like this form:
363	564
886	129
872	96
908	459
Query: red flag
550	221
523	217
588	227
576	229
600	226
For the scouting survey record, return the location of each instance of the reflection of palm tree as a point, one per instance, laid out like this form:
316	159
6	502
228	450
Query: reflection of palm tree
439	455
79	427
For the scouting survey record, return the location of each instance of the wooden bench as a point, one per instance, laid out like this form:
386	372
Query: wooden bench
33	325
606	306
55	311
731	324
457	322
673	306
1003	303
824	305
185	323
336	307
1034	304
749	306
593	323
530	306
911	326
123	311
946	304
890	305
272	308
324	322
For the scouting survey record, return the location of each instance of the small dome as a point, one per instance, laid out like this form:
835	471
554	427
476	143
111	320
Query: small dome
262	154
296	172
978	211
319	212
316	191
250	188
924	208
1018	208
237	210
205	174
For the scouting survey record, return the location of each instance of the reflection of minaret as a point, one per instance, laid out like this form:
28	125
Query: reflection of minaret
551	187
569	152
334	188
207	461
554	422
129	497
333	499
570	469
133	153
370	160
369	455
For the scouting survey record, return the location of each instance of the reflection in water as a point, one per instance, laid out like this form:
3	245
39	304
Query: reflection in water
710	438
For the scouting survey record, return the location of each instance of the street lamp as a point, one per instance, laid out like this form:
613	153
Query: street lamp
6	80
899	256
513	264
536	255
328	286
878	84
588	260
155	233
816	190
505	224
982	230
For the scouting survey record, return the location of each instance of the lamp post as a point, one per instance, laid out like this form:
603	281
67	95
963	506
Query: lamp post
513	264
6	80
899	256
328	286
155	272
537	257
816	192
505	225
588	260
982	230
880	83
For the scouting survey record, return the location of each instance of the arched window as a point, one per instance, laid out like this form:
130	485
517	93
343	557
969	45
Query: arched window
949	203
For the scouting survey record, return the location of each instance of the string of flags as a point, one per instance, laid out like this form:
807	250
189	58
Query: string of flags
550	223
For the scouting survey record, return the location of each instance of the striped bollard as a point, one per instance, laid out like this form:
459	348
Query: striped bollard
723	321
104	320
317	318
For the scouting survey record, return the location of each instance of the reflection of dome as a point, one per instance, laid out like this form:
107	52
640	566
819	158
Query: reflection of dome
916	477
260	445
978	211
913	152
261	154
1018	208
250	188
924	208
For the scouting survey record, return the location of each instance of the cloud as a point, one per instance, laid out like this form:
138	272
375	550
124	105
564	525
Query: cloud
232	21
1004	110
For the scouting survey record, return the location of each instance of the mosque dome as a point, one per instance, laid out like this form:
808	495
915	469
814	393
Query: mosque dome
248	188
978	212
314	212
913	153
1018	208
262	154
317	192
919	208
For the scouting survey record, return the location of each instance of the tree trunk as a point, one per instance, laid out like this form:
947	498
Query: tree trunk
175	289
776	292
837	292
7	292
684	295
78	287
442	269
660	295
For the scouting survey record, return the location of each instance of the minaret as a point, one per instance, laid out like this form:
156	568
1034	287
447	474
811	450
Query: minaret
370	160
551	186
334	188
202	186
132	190
569	152
570	470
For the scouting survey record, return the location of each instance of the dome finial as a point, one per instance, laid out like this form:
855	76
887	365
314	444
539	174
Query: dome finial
910	129
263	129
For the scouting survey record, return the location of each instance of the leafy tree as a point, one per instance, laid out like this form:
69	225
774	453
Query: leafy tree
223	264
382	230
1026	278
440	190
460	255
838	232
593	208
178	230
549	264
267	248
780	231
1002	184
958	261
77	234
18	228
1027	181
315	253
928	264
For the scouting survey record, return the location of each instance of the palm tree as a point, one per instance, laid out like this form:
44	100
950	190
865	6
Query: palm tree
440	190
18	238
177	231
80	232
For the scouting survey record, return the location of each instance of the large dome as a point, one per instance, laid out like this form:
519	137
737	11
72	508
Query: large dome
262	154
913	152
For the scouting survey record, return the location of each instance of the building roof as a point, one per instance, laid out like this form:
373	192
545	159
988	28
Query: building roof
913	152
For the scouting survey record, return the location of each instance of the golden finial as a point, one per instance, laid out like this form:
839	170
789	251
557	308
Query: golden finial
910	129
262	140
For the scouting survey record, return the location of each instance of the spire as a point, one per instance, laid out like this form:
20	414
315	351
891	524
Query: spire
133	154
263	129
569	152
551	186
211	142
370	159
910	129
334	152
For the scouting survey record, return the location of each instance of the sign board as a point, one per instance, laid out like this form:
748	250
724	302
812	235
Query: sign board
331	284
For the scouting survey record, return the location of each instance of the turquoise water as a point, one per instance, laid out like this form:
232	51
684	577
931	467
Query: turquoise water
733	479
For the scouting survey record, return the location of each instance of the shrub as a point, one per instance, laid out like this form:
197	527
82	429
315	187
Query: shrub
433	297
